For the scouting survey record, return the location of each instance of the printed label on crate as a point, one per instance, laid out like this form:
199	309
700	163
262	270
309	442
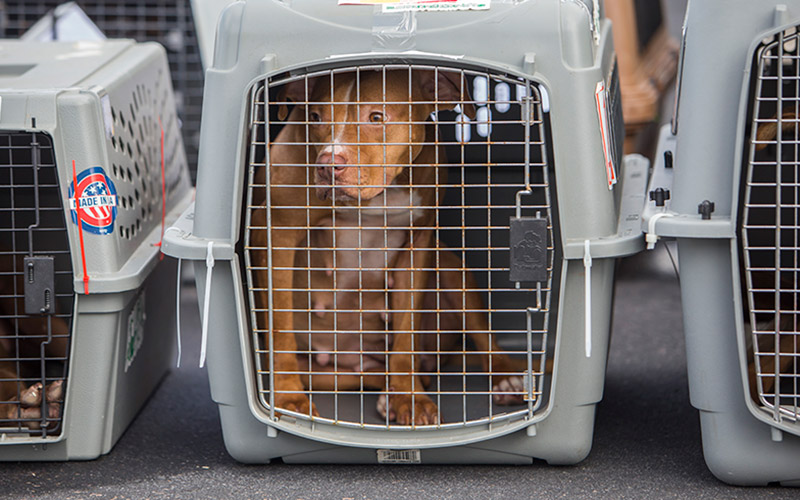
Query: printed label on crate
135	336
399	457
601	98
422	5
98	201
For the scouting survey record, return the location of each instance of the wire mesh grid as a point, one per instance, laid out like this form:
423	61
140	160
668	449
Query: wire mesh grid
33	345
376	236
770	227
168	22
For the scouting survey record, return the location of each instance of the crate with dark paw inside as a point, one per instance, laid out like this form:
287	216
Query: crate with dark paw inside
735	188
405	234
92	169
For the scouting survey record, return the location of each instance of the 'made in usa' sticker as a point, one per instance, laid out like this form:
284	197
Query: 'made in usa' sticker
98	200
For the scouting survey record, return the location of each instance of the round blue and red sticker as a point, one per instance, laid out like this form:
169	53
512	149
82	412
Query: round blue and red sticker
98	201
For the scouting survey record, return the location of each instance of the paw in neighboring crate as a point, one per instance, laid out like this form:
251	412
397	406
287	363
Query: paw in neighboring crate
20	405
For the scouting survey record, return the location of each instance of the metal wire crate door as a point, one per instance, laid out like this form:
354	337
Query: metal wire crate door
36	298
359	175
770	236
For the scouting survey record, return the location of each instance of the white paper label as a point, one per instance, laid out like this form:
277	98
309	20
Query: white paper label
399	457
422	5
601	97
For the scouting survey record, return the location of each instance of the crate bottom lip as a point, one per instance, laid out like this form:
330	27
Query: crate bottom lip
24	438
789	413
402	438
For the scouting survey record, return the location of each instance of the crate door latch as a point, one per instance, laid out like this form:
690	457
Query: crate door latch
39	285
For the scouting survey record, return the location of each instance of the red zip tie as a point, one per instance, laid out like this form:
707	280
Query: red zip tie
80	227
163	189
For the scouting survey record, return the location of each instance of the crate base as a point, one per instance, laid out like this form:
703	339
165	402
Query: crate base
738	447
752	458
247	441
562	437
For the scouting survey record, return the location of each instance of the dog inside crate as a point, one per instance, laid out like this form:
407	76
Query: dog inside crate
377	245
35	287
769	226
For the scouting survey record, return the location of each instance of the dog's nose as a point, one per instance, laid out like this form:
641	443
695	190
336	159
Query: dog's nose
328	163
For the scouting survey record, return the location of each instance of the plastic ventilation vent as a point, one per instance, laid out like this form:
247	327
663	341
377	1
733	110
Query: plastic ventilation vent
140	114
165	21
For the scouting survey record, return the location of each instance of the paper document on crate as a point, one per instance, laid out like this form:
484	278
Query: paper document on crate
422	5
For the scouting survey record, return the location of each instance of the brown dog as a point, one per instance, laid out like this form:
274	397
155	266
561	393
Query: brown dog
20	354
370	146
349	321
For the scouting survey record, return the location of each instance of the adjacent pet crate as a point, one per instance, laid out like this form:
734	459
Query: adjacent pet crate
92	168
734	211
168	22
375	112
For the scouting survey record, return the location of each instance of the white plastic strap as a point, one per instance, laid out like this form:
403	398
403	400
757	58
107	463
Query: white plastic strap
587	264
178	312
651	237
206	302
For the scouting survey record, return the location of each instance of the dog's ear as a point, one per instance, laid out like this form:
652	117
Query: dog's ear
447	86
295	91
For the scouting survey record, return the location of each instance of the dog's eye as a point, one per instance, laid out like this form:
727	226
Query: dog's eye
314	117
376	117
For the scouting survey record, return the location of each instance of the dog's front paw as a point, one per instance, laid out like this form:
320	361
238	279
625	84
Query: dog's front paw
298	403
509	391
29	407
416	409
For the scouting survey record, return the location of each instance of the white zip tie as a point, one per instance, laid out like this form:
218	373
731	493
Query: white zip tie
587	264
651	237
178	312
206	302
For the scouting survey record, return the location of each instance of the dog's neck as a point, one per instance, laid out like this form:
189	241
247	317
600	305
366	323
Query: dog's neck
398	205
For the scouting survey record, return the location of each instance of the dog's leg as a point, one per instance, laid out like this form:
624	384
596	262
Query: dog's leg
506	373
769	131
287	384
18	402
409	405
28	408
787	348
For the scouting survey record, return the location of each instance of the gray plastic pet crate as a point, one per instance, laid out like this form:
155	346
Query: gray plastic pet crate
86	311
534	147
168	22
734	211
